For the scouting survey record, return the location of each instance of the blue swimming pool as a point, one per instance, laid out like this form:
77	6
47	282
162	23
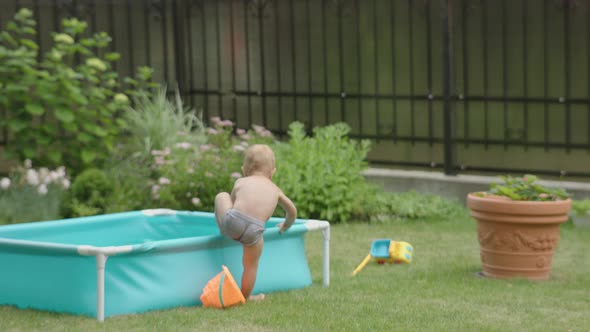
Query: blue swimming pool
138	261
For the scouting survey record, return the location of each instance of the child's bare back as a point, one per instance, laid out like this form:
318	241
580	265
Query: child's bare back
242	214
256	196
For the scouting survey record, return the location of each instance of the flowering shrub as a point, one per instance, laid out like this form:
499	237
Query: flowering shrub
30	194
189	176
40	179
155	122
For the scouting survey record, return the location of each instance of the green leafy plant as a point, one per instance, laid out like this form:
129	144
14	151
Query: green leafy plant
581	207
323	174
62	108
89	195
30	194
526	188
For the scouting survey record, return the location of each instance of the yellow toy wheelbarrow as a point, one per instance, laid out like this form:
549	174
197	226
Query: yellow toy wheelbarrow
387	251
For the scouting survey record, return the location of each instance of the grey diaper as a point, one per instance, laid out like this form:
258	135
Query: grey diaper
241	227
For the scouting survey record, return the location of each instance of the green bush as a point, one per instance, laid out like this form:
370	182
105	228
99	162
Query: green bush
89	194
62	108
29	194
323	174
581	207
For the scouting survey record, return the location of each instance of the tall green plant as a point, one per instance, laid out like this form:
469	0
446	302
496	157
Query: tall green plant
323	174
62	108
156	122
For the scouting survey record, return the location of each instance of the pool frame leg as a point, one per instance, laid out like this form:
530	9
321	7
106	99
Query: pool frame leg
101	254
324	226
101	260
326	263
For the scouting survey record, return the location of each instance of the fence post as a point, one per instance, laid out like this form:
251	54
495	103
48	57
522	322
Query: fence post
178	29
448	116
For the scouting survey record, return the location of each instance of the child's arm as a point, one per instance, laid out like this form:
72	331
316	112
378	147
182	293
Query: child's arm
290	211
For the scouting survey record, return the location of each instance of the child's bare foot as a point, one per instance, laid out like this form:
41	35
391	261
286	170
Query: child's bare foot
257	297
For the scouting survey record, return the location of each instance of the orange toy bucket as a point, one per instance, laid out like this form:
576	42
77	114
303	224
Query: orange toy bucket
222	291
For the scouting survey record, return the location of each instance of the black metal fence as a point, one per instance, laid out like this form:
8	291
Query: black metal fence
465	85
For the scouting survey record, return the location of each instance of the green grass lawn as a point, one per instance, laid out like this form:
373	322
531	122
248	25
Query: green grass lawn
439	291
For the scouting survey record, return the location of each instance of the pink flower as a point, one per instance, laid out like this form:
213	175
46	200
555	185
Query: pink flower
196	201
258	129
159	160
216	120
226	123
212	131
205	147
156	192
163	181
240	131
183	145
236	175
239	148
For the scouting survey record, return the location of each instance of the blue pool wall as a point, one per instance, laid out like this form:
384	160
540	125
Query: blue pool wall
169	260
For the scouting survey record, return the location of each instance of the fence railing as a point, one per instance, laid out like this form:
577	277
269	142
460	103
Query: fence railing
465	85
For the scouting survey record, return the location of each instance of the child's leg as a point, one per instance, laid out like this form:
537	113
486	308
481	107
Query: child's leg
222	204
250	262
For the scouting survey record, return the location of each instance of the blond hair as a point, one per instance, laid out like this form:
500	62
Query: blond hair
259	158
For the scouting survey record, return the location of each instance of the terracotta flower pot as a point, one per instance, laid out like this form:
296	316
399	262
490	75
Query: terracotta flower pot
517	238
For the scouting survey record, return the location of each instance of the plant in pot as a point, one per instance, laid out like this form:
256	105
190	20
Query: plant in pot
581	213
518	226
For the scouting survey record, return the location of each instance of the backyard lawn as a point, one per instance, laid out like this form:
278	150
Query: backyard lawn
439	291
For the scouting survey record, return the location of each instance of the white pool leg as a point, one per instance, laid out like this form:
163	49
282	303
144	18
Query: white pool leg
326	265
101	260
